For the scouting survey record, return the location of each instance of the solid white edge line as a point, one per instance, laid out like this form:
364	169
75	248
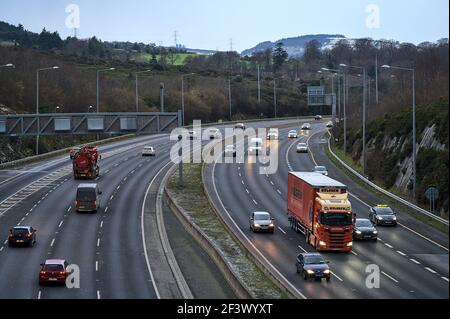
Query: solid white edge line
247	239
337	276
143	230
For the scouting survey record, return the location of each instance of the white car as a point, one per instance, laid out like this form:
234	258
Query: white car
302	148
293	134
255	146
321	170
262	222
272	134
330	124
306	127
240	126
149	151
230	151
214	134
318	117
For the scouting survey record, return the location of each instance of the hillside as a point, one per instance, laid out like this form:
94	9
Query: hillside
389	147
295	46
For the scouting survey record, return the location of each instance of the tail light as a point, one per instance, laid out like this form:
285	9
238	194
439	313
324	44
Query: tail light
42	273
10	235
29	235
94	202
76	203
62	272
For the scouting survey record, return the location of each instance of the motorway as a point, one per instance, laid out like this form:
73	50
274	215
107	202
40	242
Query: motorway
107	246
412	258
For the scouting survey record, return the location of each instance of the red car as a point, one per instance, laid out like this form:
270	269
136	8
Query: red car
53	271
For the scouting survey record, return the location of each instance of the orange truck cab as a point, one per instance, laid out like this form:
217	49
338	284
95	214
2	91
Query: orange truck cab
318	207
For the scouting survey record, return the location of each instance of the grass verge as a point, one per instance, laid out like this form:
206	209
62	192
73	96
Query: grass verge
194	201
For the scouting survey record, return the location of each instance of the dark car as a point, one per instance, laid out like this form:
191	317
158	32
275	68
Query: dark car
383	215
88	198
313	266
53	271
363	229
22	235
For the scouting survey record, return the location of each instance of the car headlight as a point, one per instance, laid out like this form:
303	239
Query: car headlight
375	232
322	243
257	225
379	218
395	218
350	244
358	232
271	225
326	271
311	272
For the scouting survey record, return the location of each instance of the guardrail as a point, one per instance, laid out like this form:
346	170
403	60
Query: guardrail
385	192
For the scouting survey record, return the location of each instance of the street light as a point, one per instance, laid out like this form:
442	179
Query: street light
98	80
413	119
182	93
364	110
137	88
37	103
57	108
9	65
338	72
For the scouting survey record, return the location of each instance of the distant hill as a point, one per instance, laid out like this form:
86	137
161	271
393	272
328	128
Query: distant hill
295	46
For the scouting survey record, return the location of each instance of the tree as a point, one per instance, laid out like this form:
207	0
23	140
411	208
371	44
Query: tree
279	56
312	51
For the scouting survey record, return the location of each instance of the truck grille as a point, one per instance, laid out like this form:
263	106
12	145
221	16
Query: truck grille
336	239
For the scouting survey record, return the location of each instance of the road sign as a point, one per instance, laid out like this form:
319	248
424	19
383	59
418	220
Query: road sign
432	193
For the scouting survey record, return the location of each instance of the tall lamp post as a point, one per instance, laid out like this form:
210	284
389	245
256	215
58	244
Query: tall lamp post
364	111
413	73
137	88
37	103
98	82
182	95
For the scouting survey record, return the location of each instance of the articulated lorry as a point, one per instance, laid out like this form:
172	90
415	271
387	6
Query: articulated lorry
85	163
318	207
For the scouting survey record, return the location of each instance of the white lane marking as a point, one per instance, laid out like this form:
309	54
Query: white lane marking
60	224
424	237
430	270
96	266
303	249
242	182
281	229
52	243
401	253
101	224
279	192
68	209
98	242
414	261
390	277
118	187
254	201
98	295
353	253
111	198
6	241
1	248
272	183
106	209
445	278
39	295
337	276
388	245
248	192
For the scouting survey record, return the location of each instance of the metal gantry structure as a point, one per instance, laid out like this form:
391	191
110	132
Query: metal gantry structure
46	124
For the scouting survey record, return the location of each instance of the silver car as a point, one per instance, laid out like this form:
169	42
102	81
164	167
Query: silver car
302	148
293	134
262	222
148	151
306	127
321	170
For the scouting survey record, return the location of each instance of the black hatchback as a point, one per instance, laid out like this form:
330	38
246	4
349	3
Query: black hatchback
312	265
22	235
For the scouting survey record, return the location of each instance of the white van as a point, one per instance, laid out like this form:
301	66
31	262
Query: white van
255	147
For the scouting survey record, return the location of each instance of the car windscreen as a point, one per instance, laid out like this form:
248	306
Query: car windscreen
262	217
335	219
20	231
385	211
320	168
86	194
314	260
302	145
53	267
229	147
363	223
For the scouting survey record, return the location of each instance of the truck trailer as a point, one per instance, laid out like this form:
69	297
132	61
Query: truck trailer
85	163
318	207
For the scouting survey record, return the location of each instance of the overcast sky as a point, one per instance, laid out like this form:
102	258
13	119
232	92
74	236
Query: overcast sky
209	24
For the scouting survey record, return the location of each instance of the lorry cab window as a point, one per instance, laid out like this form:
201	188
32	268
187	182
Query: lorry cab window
335	219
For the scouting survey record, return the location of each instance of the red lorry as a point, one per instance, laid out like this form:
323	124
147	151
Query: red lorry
85	163
318	207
